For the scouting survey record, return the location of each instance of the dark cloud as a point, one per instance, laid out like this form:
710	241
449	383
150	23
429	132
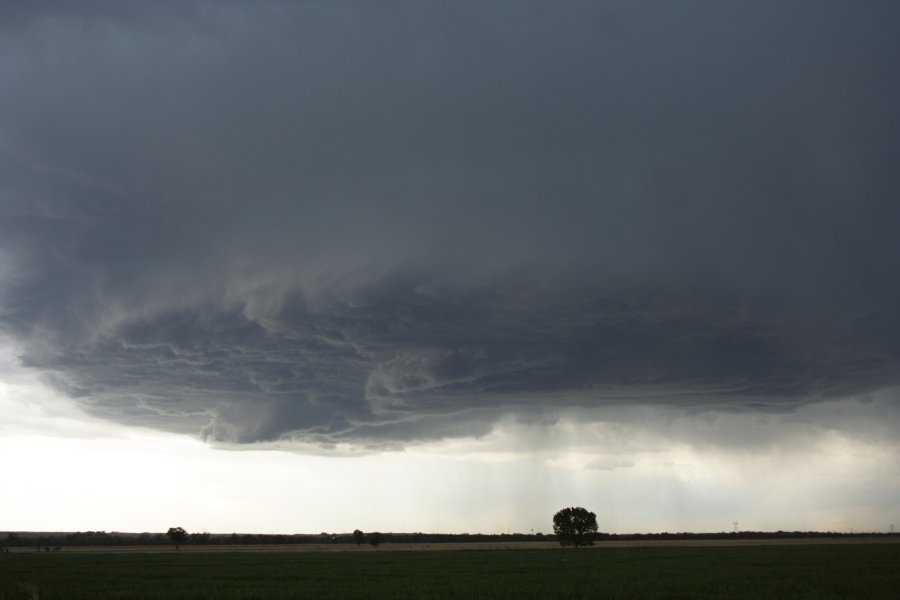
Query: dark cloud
332	223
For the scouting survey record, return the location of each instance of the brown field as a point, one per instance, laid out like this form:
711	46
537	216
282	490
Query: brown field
388	547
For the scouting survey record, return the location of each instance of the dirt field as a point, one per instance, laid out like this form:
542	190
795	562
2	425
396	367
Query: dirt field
389	547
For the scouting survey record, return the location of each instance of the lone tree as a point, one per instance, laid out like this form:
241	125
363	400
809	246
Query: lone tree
358	536
575	526
374	539
177	535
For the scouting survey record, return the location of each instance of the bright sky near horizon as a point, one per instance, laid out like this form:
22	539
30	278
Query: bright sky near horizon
74	472
294	267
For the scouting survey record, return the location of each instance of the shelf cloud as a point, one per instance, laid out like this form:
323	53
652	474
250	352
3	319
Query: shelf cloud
339	224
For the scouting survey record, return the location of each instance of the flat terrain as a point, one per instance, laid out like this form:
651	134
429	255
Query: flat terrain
611	570
450	546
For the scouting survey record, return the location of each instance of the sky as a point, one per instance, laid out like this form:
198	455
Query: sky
449	267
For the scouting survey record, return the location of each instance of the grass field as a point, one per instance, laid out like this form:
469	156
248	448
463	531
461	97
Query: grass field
672	571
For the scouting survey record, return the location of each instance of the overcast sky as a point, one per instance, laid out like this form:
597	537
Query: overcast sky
450	266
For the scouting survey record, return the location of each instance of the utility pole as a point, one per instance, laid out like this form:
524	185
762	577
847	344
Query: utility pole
735	526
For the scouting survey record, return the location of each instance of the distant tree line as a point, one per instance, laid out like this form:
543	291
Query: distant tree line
738	535
103	538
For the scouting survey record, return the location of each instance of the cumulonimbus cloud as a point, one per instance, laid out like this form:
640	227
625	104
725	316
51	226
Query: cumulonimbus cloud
302	223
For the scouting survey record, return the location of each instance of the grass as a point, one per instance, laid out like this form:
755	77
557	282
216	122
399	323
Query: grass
801	571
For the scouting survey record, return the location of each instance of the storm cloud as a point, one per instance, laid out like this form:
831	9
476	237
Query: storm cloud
342	223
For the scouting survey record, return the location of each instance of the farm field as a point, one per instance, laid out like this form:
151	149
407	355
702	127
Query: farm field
674	570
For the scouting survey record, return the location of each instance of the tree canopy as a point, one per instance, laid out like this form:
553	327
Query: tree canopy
177	535
575	526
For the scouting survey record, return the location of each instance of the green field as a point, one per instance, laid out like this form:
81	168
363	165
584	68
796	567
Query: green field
785	571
